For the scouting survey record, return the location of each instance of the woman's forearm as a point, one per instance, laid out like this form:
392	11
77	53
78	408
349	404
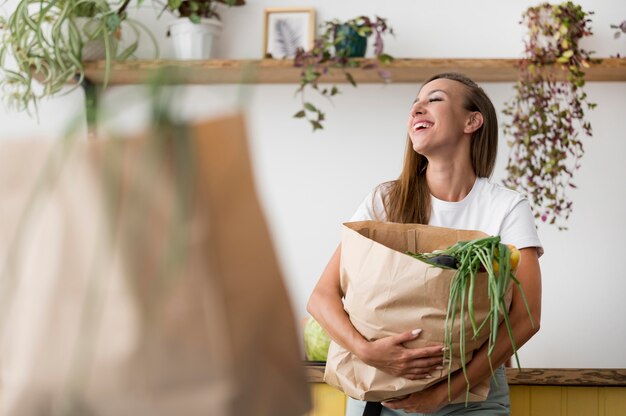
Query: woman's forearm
388	354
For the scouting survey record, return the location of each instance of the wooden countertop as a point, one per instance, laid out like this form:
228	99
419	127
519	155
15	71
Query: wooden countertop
614	377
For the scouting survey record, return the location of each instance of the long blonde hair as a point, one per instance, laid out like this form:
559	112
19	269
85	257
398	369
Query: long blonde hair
407	199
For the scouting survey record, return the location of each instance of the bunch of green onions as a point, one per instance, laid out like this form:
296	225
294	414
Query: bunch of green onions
469	258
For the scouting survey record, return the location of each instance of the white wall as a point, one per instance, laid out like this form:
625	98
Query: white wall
310	183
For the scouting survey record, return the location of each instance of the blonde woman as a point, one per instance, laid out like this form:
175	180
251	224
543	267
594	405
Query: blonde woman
451	152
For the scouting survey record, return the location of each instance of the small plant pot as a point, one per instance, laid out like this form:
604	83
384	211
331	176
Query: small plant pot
353	45
194	40
94	49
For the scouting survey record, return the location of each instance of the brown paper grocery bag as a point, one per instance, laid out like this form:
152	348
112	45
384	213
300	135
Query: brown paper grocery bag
138	277
388	292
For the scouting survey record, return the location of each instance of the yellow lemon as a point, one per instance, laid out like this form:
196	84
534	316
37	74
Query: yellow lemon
515	256
514	259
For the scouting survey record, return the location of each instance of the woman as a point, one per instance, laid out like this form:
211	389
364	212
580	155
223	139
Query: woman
451	151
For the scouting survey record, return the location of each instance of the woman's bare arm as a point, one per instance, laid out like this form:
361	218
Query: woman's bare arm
478	369
387	354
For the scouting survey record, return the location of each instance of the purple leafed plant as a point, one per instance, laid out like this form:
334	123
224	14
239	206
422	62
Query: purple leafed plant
544	118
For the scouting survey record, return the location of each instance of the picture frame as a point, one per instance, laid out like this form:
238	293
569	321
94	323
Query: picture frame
286	29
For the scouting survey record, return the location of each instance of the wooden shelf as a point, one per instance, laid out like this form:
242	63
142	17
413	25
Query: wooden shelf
270	71
531	376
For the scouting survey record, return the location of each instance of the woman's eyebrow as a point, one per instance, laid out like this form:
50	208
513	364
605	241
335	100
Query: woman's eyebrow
432	92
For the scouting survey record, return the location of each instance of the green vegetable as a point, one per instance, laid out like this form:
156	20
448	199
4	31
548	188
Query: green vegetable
444	260
473	257
316	341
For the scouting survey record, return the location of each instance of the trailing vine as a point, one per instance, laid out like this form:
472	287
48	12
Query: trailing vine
331	50
544	118
621	28
43	40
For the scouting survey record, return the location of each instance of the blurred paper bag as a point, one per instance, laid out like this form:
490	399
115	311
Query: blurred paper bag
139	278
388	292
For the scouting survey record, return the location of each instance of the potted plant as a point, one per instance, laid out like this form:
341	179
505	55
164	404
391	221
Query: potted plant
339	46
549	108
48	40
197	27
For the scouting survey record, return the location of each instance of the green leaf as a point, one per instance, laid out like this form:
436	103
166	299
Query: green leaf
334	91
350	79
113	22
310	107
311	74
299	114
174	4
128	52
385	59
316	125
364	31
563	60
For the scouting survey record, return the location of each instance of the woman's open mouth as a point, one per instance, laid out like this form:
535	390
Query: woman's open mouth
422	125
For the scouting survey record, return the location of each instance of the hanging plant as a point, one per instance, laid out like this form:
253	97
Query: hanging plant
621	29
45	42
544	118
338	47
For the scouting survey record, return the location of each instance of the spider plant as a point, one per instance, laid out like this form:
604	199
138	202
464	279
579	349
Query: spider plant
44	40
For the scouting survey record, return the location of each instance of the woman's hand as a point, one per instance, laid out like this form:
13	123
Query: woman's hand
391	356
387	354
426	401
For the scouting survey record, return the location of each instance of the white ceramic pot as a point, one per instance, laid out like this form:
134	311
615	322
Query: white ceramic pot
194	40
95	49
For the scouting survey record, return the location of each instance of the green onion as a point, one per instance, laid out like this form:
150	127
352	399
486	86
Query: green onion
473	257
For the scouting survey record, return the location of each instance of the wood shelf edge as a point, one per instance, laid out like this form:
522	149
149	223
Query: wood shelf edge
608	377
614	377
271	71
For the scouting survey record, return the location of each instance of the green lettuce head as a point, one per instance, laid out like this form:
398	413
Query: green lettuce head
316	341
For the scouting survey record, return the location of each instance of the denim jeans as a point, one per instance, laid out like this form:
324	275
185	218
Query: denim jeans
496	404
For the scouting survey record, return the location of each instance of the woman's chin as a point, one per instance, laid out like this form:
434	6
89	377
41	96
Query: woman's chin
419	147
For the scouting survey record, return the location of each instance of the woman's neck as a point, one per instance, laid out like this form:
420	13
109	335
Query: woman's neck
450	181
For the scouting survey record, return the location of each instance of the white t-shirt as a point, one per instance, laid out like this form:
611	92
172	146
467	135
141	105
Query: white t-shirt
489	207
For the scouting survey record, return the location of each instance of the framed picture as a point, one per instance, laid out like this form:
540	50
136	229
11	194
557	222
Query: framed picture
287	29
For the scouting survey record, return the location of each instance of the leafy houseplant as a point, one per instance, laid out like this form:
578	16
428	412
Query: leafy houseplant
338	47
46	40
197	28
195	10
546	111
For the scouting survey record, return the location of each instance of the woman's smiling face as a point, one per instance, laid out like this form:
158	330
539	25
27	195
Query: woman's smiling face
438	117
